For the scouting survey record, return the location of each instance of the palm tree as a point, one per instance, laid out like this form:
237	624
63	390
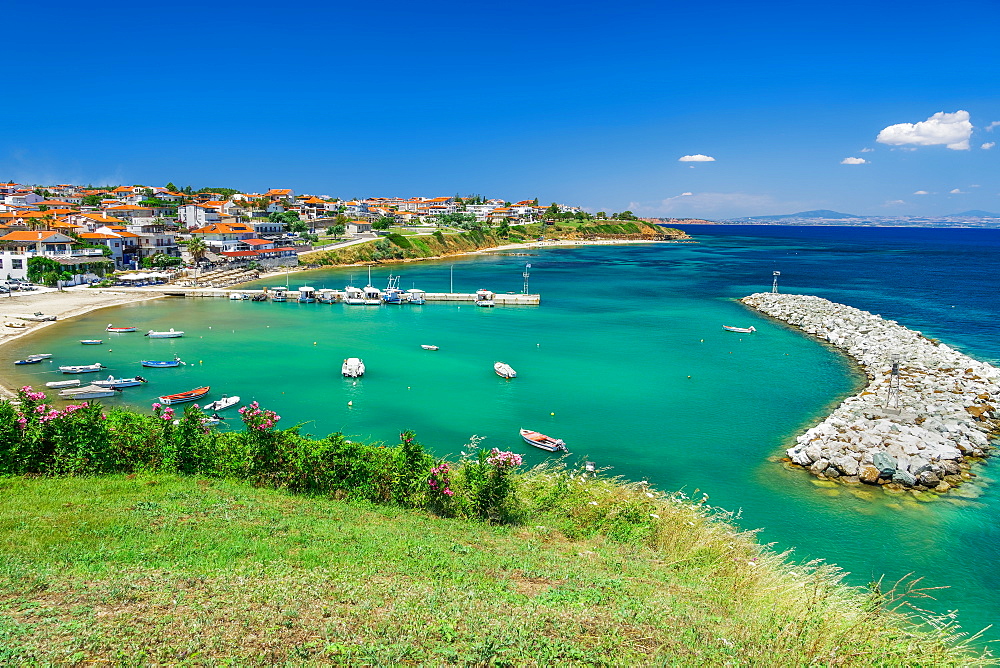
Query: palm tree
197	248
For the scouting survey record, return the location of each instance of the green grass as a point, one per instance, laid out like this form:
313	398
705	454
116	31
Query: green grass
169	569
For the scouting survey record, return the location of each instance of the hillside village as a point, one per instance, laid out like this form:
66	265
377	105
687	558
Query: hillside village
84	232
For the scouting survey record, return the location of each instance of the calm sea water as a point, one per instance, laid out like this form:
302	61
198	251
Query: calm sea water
626	360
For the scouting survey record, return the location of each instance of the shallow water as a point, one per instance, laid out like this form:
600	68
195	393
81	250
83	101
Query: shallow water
626	360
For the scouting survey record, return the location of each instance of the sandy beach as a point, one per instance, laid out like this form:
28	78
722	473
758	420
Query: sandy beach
62	304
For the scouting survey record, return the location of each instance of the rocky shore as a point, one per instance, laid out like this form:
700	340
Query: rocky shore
944	416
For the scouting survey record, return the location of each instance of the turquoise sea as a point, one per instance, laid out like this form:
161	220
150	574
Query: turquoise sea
626	360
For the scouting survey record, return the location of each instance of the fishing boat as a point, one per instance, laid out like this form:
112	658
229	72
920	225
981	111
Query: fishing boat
176	361
504	370
428	347
327	297
744	330
91	342
183	397
169	334
222	404
372	295
353	367
88	392
82	368
392	294
40	356
485	298
307	295
120	382
63	383
278	294
119	330
28	360
237	296
416	296
544	442
354	296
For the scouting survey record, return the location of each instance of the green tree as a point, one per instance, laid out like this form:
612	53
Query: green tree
535	202
197	248
91	200
337	230
43	207
171	187
383	223
43	270
503	229
600	214
552	211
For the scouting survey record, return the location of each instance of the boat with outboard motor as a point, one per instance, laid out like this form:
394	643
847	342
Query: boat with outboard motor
222	404
120	382
119	330
88	392
743	330
504	370
82	368
157	364
353	367
183	397
169	334
544	442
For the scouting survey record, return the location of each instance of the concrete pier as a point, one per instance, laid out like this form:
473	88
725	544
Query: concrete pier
499	299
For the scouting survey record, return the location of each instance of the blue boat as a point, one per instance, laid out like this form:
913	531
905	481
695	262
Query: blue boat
30	360
392	294
176	361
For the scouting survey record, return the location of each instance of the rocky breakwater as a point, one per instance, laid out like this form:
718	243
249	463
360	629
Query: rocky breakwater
944	416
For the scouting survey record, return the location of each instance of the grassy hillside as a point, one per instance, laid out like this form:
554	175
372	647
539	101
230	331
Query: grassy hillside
395	247
161	568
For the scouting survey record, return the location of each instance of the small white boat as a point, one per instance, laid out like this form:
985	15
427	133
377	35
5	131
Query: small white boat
236	297
744	330
14	325
169	334
504	370
428	347
279	294
119	330
88	392
56	384
307	295
416	296
82	368
544	442
485	298
354	296
120	382
91	342
40	356
353	367
222	404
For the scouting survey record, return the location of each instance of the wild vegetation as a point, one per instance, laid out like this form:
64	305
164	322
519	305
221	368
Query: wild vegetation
153	538
397	246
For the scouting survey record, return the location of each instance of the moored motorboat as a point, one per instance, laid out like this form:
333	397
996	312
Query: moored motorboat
176	361
169	334
744	330
40	356
119	330
91	342
222	404
183	397
279	294
416	296
354	296
55	384
504	370
428	347
82	368
307	295
485	298
120	382
88	392
353	367
544	442
392	294
28	360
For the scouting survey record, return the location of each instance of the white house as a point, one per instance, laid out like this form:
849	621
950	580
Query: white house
193	216
13	264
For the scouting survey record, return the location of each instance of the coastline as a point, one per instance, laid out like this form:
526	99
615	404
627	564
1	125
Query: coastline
64	304
481	251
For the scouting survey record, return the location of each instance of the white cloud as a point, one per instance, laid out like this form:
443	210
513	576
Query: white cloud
717	205
867	150
988	145
697	157
894	202
854	161
951	130
956	191
921	192
989	128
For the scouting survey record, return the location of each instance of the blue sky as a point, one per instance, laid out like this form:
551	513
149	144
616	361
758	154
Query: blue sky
592	104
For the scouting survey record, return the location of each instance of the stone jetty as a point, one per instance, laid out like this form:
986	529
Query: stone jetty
945	414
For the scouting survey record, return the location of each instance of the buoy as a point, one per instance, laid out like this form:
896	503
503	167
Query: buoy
689	376
314	343
703	340
200	362
551	413
109	350
210	327
350	403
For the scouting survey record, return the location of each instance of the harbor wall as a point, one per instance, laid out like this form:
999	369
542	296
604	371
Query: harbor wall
918	426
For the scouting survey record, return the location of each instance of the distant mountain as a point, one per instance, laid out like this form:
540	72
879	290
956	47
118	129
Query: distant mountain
975	213
820	213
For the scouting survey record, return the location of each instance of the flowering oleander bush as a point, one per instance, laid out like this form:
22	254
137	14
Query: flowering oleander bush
490	486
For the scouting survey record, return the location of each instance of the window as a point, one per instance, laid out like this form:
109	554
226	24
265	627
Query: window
17	264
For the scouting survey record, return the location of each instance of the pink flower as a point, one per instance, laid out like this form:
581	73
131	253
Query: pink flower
156	405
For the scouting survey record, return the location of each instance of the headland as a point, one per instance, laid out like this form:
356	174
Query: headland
927	412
